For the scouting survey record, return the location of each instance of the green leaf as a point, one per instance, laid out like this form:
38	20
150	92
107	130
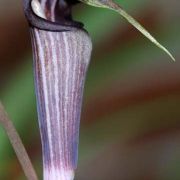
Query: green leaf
116	7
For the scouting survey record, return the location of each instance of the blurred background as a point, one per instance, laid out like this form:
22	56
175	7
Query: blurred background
130	125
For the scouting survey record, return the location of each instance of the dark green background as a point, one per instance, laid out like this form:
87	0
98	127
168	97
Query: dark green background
130	126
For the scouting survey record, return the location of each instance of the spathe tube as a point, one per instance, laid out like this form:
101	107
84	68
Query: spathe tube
61	53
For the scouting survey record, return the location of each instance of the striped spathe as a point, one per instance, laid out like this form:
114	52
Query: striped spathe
60	64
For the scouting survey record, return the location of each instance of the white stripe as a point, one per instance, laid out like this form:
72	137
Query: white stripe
45	89
55	64
67	59
74	54
60	58
53	10
60	95
71	106
49	76
43	5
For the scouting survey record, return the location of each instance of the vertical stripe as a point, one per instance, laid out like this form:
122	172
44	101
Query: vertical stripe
49	5
60	61
66	79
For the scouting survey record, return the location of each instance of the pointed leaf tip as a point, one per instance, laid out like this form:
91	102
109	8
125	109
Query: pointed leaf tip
116	7
139	27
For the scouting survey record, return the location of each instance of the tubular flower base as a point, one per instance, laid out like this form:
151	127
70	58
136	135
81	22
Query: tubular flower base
61	51
60	63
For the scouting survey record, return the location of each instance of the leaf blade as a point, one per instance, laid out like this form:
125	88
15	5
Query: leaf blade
117	8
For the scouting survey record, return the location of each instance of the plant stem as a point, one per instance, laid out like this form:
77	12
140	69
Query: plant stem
17	145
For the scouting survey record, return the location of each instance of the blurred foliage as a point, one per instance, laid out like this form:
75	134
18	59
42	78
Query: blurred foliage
130	120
